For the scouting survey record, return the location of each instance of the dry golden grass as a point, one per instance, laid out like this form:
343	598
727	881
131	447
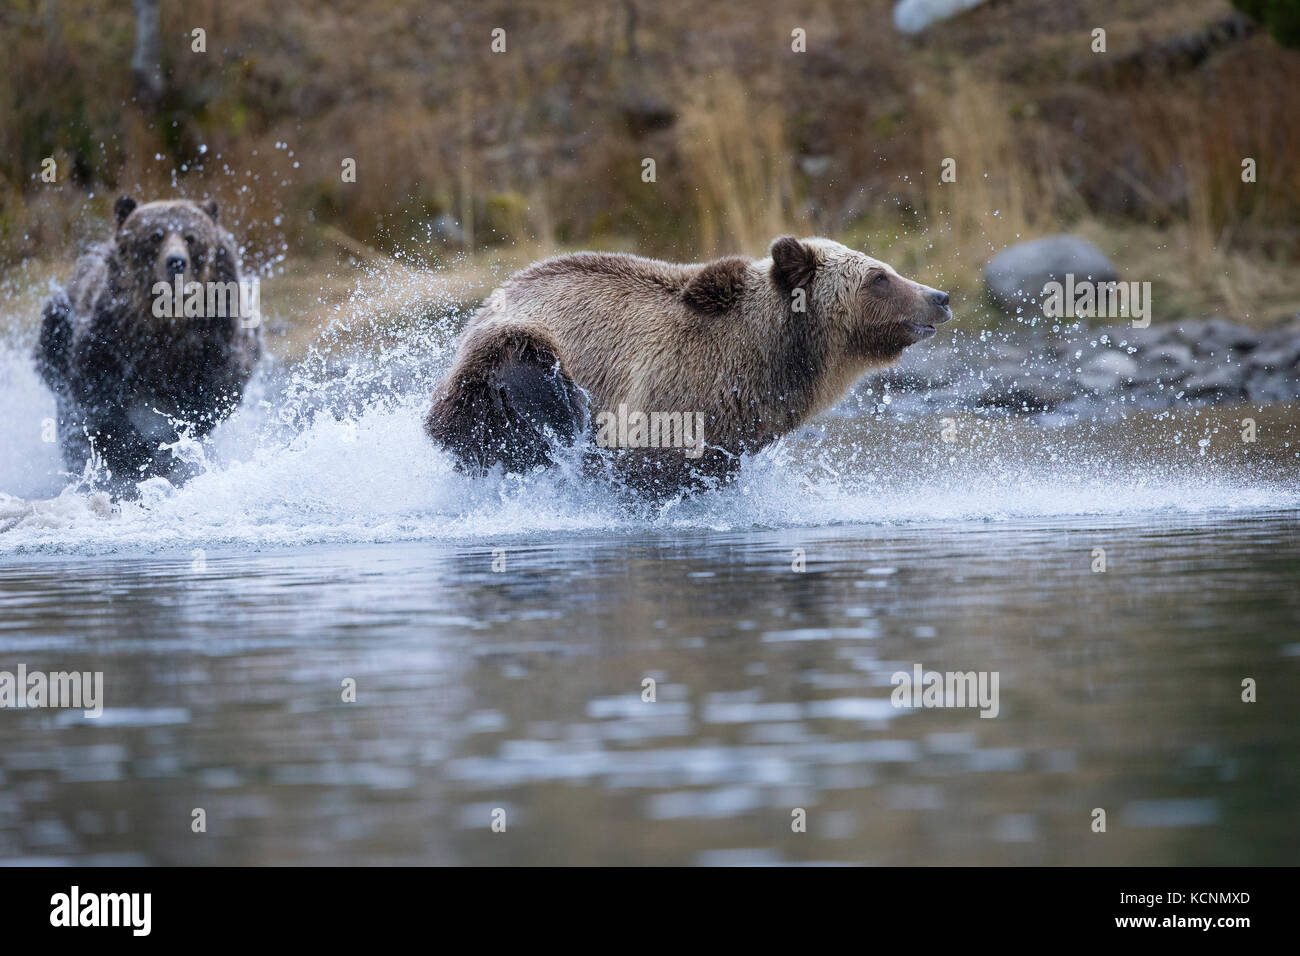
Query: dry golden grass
365	297
540	149
739	166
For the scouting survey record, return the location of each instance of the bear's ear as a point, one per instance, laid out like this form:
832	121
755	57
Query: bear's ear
715	288
793	263
210	207
124	206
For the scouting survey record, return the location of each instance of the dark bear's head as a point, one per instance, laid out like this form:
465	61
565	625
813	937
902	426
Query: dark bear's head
159	241
866	308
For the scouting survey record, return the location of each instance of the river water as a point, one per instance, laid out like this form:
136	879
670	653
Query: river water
503	636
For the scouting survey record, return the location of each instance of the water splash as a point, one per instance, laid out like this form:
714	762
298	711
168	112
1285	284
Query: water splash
332	450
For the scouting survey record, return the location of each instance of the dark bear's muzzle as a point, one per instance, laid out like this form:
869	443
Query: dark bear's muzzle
174	256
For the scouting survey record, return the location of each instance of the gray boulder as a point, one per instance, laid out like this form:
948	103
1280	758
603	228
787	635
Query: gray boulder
913	16
1015	276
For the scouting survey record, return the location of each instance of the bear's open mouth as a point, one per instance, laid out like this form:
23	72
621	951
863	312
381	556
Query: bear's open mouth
919	330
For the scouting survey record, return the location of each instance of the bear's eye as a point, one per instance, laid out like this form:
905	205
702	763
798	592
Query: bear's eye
189	240
157	236
880	280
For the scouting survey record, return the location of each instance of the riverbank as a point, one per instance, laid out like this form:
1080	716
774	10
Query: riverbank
1075	369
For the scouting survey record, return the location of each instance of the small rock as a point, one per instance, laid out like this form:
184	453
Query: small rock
1218	381
1029	393
1044	394
948	396
448	230
1107	372
1167	363
1233	335
919	369
1216	336
1278	387
1190	331
1011	356
1152	335
1278	355
814	166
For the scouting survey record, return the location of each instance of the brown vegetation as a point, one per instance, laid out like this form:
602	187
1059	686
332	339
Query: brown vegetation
541	147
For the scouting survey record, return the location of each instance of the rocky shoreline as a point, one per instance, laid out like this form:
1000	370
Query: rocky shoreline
1049	367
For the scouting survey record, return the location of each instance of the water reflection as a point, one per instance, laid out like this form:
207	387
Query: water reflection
523	691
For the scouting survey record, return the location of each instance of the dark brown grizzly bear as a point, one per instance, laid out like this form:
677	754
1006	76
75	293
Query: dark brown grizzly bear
677	369
125	361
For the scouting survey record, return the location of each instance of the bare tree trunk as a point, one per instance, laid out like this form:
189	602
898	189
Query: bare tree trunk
146	63
629	29
53	30
466	172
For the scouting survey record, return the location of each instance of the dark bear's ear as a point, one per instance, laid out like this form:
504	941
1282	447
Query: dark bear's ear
124	206
716	287
210	207
793	263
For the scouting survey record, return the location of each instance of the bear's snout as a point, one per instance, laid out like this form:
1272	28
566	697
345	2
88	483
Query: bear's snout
939	303
932	310
175	256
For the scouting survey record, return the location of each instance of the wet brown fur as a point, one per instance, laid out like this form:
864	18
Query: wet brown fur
723	338
117	370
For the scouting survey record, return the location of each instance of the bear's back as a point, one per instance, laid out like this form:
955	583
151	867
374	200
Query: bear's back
608	312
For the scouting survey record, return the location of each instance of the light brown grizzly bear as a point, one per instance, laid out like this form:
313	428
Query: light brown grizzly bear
123	374
657	356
